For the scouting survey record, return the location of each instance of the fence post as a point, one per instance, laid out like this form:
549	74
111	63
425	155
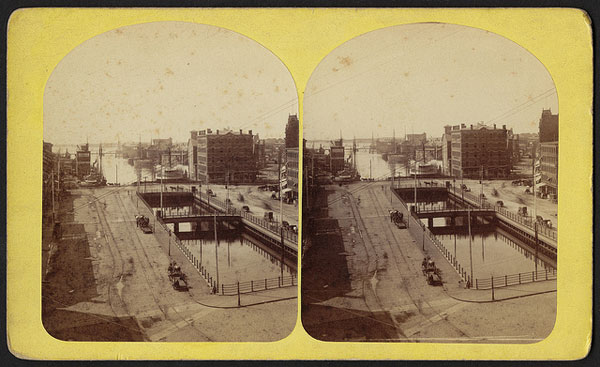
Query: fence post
238	292
505	280
476	285
222	288
492	287
279	282
252	285
533	276
265	283
546	274
519	278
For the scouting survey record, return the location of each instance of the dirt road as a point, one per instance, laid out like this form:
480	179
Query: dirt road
109	282
378	291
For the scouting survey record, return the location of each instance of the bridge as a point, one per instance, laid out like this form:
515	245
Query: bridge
227	216
525	228
430	214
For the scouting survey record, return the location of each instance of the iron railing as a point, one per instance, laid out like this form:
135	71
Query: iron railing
515	279
258	285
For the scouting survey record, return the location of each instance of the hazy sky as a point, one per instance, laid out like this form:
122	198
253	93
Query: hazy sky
422	77
165	79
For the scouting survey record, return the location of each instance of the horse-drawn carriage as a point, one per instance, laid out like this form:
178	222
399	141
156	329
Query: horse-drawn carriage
397	218
144	223
431	272
177	277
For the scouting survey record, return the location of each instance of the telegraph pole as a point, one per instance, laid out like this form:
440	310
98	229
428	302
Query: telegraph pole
53	211
161	190
470	244
415	186
281	217
216	253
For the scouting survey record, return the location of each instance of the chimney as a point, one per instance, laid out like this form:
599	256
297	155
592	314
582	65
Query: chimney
217	131
494	126
471	126
209	131
194	134
504	127
250	132
241	132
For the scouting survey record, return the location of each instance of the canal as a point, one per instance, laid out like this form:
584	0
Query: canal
115	168
371	165
492	251
240	256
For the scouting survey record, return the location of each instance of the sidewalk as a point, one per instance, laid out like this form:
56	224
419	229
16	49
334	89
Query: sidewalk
502	293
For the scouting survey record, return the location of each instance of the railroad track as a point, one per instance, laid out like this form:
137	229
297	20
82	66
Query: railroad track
367	283
418	302
154	277
118	268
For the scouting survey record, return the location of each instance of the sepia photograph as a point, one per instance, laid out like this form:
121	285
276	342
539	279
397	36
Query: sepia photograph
299	184
170	188
430	189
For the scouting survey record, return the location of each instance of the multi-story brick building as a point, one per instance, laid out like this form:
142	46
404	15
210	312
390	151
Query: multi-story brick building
292	155
447	150
221	157
549	167
293	170
548	126
480	151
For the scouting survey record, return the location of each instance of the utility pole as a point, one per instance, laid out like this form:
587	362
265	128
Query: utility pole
481	193
415	188
216	253
470	244
161	190
53	211
393	172
58	178
462	187
281	217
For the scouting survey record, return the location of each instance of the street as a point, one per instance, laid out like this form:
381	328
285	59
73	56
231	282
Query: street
108	281
380	292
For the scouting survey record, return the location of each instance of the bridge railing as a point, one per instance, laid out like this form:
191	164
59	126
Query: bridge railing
225	209
527	221
514	279
271	226
250	286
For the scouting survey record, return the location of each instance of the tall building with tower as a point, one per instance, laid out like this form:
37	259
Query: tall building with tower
292	153
549	153
548	126
336	157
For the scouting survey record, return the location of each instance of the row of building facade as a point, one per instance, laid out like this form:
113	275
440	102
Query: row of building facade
487	152
227	156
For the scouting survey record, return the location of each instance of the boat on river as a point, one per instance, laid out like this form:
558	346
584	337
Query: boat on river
424	169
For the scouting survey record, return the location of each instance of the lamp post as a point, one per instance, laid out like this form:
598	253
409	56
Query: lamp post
462	188
216	254
454	187
416	187
470	244
169	243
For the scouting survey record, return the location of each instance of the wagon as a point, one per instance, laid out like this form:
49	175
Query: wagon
177	277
